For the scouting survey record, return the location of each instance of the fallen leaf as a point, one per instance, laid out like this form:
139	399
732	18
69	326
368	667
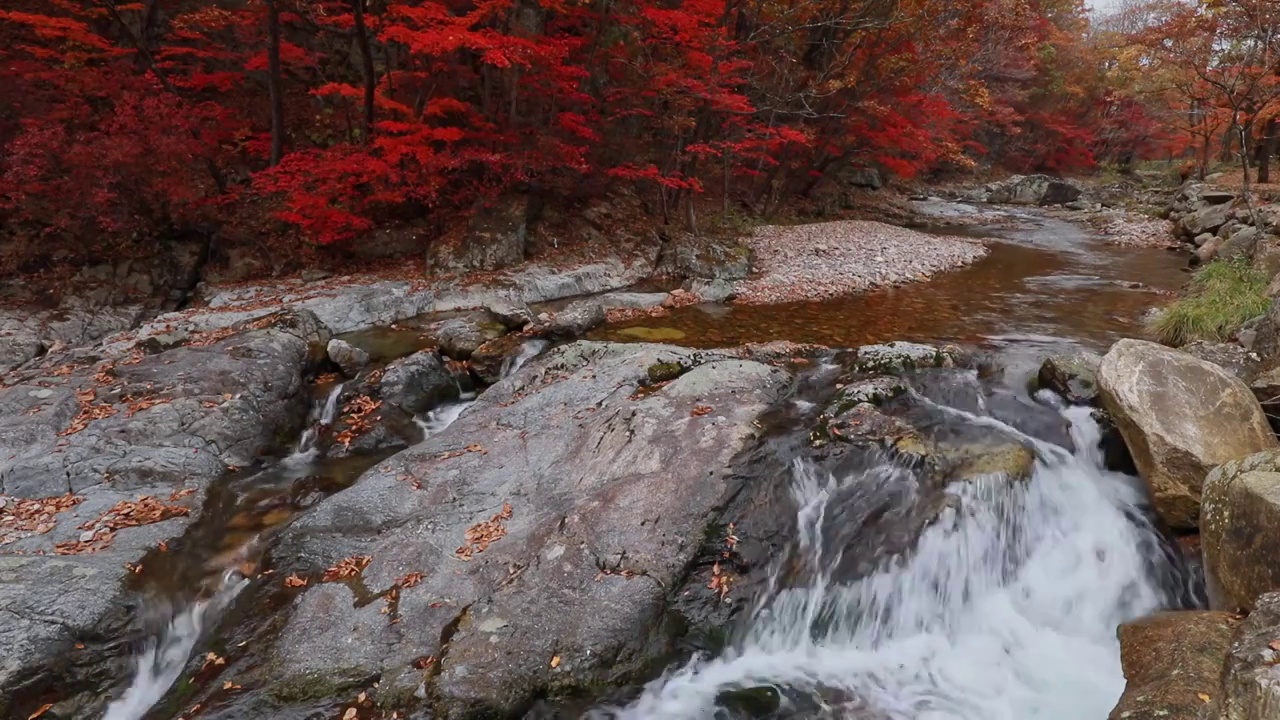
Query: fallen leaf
350	714
555	661
1274	645
294	581
1204	697
228	685
701	410
43	709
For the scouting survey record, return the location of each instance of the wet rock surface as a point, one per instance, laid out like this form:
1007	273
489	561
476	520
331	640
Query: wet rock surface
103	462
582	520
1074	377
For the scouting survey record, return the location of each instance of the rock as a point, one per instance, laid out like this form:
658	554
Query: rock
873	391
1074	376
1240	527
460	337
1217	197
583	500
1273	287
1207	253
347	356
1032	190
690	257
897	357
1227	230
865	177
491	358
1172	662
576	320
301	324
1205	220
1180	417
167	425
1266	255
496	237
1229	356
714	291
1250	687
417	383
1202	238
1241	244
631	300
515	314
1079	205
17	346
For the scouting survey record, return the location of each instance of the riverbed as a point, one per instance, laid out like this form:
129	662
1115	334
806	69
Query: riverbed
974	617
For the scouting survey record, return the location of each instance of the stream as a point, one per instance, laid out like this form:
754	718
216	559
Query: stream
1006	608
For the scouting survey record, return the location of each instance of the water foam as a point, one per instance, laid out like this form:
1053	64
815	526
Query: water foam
164	657
1007	609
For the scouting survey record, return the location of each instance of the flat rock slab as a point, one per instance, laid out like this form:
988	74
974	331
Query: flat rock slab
1180	417
532	545
80	444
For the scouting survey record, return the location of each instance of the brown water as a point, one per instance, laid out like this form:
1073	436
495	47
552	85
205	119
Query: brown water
1045	285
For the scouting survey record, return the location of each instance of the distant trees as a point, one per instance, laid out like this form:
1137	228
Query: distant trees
329	117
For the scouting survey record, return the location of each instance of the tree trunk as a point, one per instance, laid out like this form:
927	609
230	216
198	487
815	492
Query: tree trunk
273	82
1266	148
366	67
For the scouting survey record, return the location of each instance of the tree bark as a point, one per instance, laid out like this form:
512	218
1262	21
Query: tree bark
1266	148
366	67
273	82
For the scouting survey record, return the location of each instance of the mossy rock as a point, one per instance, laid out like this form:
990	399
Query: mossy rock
665	371
874	391
651	334
898	357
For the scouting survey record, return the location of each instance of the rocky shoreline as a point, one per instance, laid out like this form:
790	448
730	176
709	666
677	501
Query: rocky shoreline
591	516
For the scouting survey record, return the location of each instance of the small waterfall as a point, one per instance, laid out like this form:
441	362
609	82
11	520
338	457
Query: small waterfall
528	351
1006	610
164	657
321	417
442	417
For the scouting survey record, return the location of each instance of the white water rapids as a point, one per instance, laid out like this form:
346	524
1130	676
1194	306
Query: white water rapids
1006	610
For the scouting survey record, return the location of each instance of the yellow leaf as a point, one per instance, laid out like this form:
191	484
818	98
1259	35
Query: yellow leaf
555	661
43	709
1203	696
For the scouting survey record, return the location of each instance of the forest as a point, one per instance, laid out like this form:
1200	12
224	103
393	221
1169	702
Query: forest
313	123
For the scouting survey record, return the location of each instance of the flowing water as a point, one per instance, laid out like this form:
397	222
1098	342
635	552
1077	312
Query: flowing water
1006	609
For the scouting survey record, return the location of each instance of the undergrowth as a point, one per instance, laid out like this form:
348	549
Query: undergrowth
1223	295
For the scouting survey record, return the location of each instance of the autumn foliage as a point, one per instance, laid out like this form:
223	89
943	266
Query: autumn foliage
323	119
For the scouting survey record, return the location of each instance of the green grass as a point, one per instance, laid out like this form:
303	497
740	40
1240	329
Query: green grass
1223	295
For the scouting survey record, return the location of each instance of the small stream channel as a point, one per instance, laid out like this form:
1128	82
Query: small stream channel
1047	286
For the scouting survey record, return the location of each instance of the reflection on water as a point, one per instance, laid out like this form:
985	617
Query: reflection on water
1044	280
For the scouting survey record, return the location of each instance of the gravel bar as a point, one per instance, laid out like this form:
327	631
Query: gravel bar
825	260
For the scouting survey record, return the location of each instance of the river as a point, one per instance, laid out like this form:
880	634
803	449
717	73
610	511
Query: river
1007	605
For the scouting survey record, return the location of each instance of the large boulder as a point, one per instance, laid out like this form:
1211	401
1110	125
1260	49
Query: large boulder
1240	529
1251	676
1180	417
532	545
576	320
1032	190
1207	219
1172	662
460	337
496	237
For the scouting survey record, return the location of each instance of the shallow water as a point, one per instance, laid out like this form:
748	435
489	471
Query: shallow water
1046	284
